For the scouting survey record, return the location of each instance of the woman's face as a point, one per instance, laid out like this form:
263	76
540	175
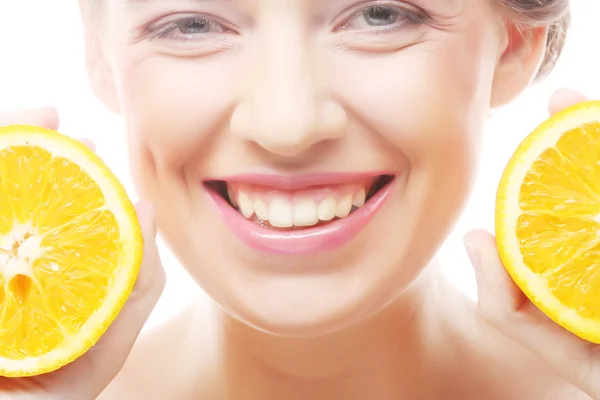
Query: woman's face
297	109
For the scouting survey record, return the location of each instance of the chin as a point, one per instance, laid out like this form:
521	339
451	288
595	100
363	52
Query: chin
283	322
310	306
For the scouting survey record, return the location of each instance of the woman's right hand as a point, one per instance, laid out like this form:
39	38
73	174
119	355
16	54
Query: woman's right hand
86	377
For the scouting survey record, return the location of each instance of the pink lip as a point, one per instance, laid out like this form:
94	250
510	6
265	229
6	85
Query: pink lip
302	241
299	182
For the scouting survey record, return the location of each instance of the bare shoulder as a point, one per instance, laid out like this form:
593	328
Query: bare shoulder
495	367
163	363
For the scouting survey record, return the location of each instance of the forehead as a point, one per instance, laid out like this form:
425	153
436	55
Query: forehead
444	4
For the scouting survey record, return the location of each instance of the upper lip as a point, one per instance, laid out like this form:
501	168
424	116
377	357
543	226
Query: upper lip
295	182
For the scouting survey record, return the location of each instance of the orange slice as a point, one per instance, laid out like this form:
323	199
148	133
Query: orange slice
548	219
70	249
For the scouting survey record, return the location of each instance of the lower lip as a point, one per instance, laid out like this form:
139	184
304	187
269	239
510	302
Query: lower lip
303	241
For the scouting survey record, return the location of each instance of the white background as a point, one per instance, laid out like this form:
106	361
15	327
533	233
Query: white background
41	63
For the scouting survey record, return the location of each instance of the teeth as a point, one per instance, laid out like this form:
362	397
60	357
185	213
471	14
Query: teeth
280	214
344	206
327	209
261	210
359	199
232	197
305	213
245	204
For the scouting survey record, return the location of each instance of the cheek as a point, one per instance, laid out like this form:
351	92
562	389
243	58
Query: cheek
424	101
175	107
429	102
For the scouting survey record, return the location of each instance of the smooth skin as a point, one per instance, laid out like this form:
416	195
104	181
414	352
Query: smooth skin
299	86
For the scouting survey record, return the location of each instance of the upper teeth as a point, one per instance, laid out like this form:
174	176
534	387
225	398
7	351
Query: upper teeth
282	212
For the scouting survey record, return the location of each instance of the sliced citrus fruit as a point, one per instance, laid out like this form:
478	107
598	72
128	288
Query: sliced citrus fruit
70	249
548	218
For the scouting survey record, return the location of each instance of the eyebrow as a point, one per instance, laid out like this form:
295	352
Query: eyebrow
156	1
142	3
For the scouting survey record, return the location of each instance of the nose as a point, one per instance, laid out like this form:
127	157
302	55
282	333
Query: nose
284	108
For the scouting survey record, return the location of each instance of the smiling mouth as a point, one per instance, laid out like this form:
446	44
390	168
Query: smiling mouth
299	208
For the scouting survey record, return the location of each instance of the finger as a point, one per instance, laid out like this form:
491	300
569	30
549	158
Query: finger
504	306
90	145
108	356
564	98
506	295
46	117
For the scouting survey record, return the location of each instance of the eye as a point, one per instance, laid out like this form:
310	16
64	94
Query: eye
188	28
379	16
383	17
195	26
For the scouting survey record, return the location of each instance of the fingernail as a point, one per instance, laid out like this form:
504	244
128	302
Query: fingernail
473	255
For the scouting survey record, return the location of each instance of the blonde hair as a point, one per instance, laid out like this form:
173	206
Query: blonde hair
554	13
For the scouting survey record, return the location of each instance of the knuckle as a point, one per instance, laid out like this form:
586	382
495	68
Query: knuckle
24	116
150	283
45	117
491	313
13	117
587	375
500	308
505	320
587	379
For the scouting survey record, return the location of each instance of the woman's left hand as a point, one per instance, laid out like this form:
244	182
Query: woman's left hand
504	306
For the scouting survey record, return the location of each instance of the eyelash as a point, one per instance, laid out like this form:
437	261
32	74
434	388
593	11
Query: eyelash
405	15
166	30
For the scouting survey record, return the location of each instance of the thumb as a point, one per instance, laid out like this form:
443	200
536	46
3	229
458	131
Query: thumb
498	295
504	306
104	361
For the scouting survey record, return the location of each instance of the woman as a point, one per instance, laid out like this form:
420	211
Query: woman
277	141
